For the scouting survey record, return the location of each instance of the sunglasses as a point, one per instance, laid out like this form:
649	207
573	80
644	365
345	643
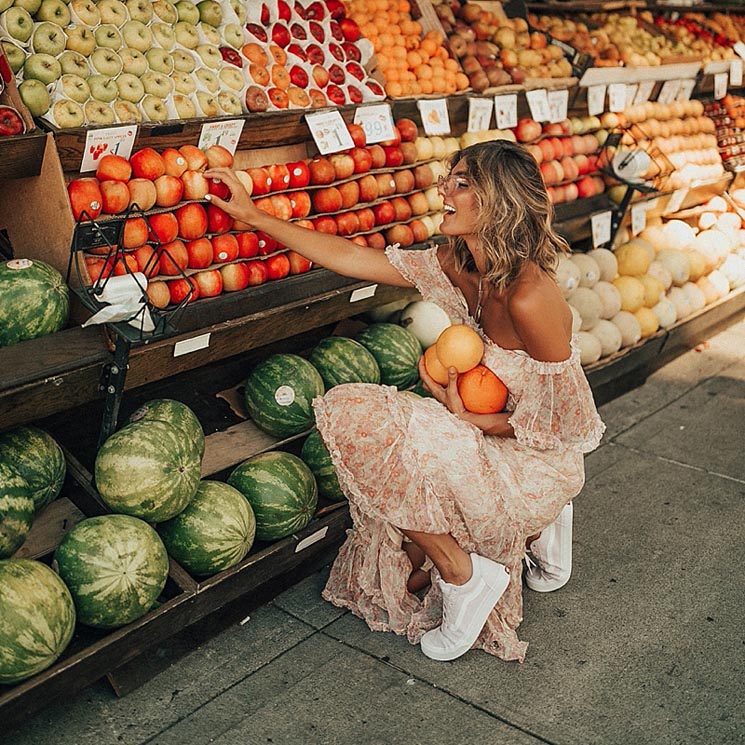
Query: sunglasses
446	185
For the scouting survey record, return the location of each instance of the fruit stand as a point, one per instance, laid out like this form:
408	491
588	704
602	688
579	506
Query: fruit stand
82	383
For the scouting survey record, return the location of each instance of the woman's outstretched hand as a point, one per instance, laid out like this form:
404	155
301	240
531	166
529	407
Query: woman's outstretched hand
240	206
446	394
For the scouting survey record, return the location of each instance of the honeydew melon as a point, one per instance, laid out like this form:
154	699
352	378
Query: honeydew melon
659	270
666	312
734	269
609	336
576	319
696	297
567	276
589	271
606	261
653	289
698	264
680	300
426	320
677	264
719	279
633	259
678	233
610	298
589	306
708	288
632	292
590	348
628	325
648	321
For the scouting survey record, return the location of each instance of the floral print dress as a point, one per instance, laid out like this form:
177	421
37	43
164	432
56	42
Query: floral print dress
406	462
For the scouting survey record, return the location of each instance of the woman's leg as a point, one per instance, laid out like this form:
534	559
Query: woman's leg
453	563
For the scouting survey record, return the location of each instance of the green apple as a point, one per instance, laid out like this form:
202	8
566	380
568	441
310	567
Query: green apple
232	77
208	34
107	35
210	12
103	88
239	8
233	35
140	10
98	113
80	39
137	35
17	23
54	11
73	63
66	114
157	84
32	6
106	62
229	102
154	108
208	79
164	35
42	67
126	111
183	83
14	54
48	38
133	61
86	12
207	104
75	88
210	56
165	11
113	11
159	60
35	96
186	34
184	106
5	4
130	87
187	11
183	61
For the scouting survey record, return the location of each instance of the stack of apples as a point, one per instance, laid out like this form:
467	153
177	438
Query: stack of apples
569	162
11	122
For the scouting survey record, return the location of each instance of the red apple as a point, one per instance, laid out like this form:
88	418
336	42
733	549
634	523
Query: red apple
336	74
135	232
571	192
368	188
320	75
401	234
195	159
158	294
224	248
234	276
142	194
321	170
350	29
148	261
375	240
114	197
357	133
282	206
384	213
218	221
352	51
327	200
401	208
298	76
350	194
280	35
404	180
200	253
360	240
299	173
113	168
257	272
336	31
423	176
183	290
265	204
279	175
536	152
168	190
366	218
298	264
419	231
174	161
219	188
393	156
126	264
303	223
409	152
174	257
418	203
362	159
408	129
192	221
260	180
343	165
325	224
248	244
293	48
527	130
209	283
195	185
347	223
395	140
335	94
267	244
85	198
377	154
278	266
386	184
147	163
163	227
300	203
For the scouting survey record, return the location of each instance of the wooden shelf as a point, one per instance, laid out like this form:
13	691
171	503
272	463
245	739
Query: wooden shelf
21	155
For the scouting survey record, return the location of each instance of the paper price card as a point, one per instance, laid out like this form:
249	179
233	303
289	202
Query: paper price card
226	133
558	102
538	103
644	91
669	91
506	108
739	48
329	131
631	89
596	100
479	114
735	73
377	121
109	141
601	225
435	117
616	96
686	89
720	85
638	218
676	200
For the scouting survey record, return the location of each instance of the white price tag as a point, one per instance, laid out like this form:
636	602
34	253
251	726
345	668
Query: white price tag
644	91
638	218
676	200
601	225
720	85
435	118
686	89
187	346
596	100
669	91
616	96
735	73
538	103
329	131
479	114
631	90
319	535
377	121
226	133
739	48
362	293
506	109
558	102
109	141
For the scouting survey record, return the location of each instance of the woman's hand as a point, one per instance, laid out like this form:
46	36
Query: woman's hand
240	206
446	394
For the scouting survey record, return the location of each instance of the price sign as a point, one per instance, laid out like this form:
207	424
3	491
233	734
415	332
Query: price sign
329	131
538	103
226	133
638	218
631	90
739	48
506	108
644	91
558	102
735	73
479	114
435	118
601	225
616	96
686	89
720	85
669	91
596	100
377	121
109	141
676	200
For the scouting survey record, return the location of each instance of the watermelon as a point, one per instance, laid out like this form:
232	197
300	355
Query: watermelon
342	360
16	510
316	456
177	415
396	350
214	532
147	469
37	618
281	490
36	455
34	300
115	567
279	392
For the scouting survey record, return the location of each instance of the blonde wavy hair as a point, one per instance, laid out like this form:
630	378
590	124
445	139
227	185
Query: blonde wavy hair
514	212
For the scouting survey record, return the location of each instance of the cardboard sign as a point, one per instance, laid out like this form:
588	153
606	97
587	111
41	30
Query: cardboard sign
225	133
108	141
329	131
377	121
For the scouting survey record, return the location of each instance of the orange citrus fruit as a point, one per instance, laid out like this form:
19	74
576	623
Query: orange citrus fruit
434	367
459	346
481	391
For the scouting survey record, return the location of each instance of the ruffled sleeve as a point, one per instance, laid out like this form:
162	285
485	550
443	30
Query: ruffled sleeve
556	408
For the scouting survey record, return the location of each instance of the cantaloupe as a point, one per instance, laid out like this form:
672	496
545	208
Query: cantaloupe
666	312
656	269
567	276
590	348
648	321
696	298
633	259
609	336
653	290
606	261
589	271
629	327
677	264
610	298
680	300
632	292
589	306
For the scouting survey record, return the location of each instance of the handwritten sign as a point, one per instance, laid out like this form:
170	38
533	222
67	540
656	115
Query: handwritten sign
558	102
225	133
596	100
538	103
479	114
601	225
329	131
377	121
506	109
109	141
617	96
435	117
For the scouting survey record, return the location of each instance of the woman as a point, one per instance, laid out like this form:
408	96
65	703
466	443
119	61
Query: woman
426	479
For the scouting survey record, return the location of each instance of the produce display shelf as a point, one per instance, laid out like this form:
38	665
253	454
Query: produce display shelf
21	155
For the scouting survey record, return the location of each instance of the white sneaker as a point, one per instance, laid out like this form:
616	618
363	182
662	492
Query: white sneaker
551	554
465	609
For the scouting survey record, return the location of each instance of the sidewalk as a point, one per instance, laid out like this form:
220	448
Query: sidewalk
646	644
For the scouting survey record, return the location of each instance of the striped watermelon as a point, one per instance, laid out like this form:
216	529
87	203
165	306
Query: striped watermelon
16	510
37	618
36	455
282	491
177	415
147	469
115	567
34	300
316	456
279	392
342	360
396	350
214	532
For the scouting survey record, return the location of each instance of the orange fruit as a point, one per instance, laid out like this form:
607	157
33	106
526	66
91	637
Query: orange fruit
459	346
434	367
481	391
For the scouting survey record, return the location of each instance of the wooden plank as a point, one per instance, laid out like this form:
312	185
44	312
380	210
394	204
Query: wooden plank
21	155
50	526
233	445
